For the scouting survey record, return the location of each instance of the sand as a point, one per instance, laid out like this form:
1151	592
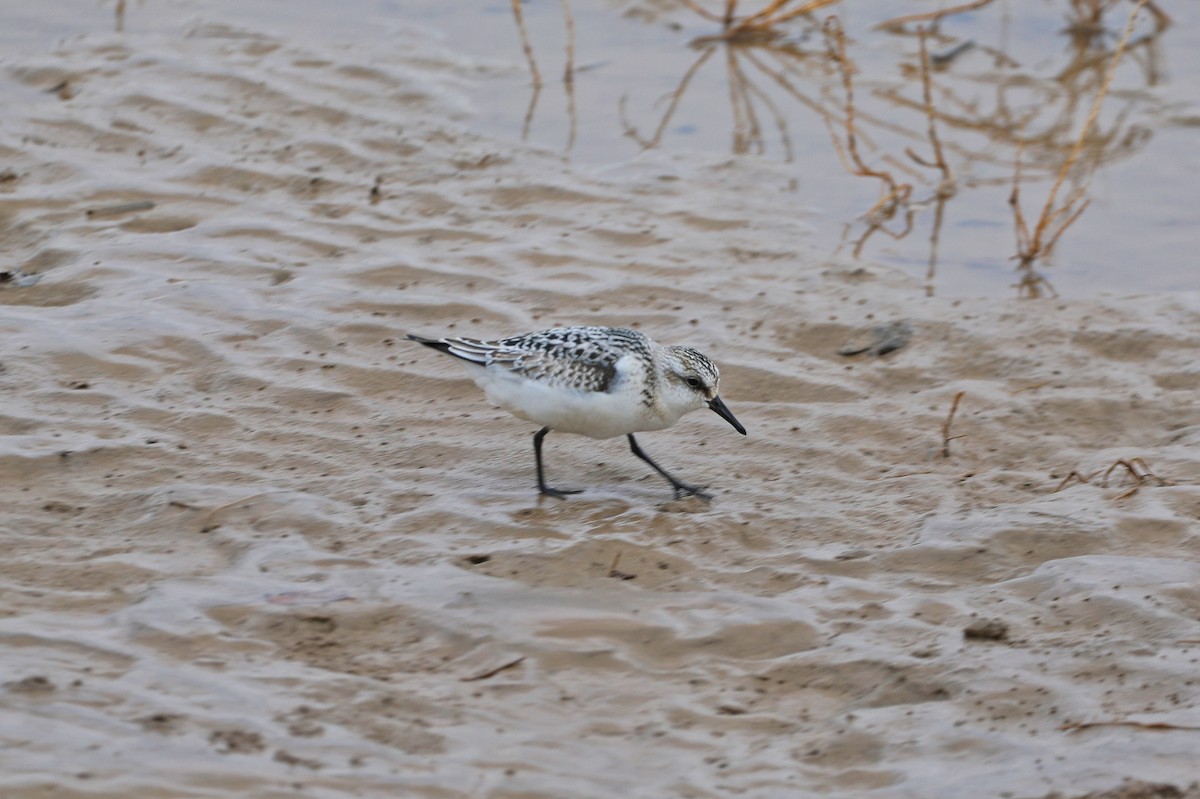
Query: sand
259	545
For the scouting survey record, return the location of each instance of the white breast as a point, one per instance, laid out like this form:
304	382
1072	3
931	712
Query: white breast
568	410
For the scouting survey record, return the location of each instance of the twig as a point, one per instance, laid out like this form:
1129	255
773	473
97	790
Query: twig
675	96
946	437
935	234
1085	479
123	208
743	118
1132	465
1137	468
1143	725
776	113
1039	245
932	16
529	111
730	8
525	45
1139	478
763	20
569	21
493	672
763	23
619	575
1161	18
939	158
1030	387
706	13
1032	285
569	74
1014	201
897	194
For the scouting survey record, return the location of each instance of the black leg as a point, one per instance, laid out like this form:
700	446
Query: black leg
537	452
681	489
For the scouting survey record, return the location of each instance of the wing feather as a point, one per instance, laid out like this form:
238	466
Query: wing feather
573	357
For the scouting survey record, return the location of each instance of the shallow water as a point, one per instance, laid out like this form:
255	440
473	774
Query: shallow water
1028	76
258	545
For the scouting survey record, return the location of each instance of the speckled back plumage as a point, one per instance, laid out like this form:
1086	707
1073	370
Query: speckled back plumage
583	358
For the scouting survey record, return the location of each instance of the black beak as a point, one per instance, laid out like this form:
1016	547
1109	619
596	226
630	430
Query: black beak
719	409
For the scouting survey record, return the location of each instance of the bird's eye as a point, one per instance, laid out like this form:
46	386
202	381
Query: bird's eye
694	382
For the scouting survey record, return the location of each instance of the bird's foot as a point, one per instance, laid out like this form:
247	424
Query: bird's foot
684	490
558	493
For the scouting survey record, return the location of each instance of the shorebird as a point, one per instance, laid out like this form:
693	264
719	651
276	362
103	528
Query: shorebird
600	382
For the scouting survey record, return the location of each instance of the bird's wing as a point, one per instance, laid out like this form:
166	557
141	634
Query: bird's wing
571	362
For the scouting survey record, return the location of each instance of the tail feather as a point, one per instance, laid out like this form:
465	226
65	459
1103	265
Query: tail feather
466	349
436	344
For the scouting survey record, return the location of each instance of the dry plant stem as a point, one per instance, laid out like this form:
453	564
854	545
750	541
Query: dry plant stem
569	21
675	96
572	116
533	101
877	216
1161	18
1040	245
525	45
493	672
1074	475
1143	725
745	90
765	19
764	13
1132	466
705	12
931	16
1030	284
1092	115
807	8
899	195
901	165
945	188
946	437
836	43
1137	468
569	74
781	79
123	208
760	23
615	573
939	158
735	104
780	119
1033	286
939	215
1014	202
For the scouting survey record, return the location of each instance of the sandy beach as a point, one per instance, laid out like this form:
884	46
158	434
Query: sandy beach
257	544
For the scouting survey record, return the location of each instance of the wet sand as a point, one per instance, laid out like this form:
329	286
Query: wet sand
257	544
